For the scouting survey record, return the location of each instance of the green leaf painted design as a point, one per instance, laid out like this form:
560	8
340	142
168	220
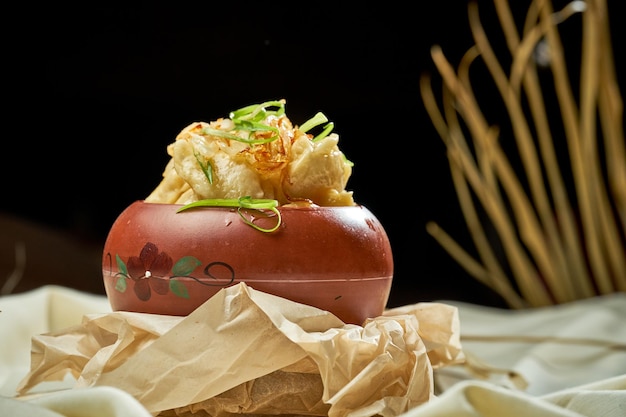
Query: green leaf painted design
121	266
178	288
185	266
120	284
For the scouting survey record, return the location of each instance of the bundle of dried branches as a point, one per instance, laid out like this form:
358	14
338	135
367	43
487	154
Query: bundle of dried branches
553	243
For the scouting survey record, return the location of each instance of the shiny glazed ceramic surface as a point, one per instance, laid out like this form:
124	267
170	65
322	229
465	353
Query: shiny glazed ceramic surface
156	260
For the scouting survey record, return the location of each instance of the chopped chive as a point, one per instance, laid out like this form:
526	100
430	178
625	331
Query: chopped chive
249	119
226	135
327	129
251	224
207	169
257	203
242	203
252	111
316	120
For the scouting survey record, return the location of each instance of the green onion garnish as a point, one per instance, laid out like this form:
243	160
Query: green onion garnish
317	120
258	111
327	129
224	134
248	119
206	167
241	204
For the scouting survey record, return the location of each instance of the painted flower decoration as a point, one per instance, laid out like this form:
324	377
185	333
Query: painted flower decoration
150	271
155	271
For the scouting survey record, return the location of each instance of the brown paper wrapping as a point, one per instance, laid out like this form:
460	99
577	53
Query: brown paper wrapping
248	352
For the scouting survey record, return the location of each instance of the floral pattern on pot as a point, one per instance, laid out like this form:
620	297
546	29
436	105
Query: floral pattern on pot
155	271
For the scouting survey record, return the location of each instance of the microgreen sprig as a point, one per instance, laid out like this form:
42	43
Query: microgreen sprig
241	203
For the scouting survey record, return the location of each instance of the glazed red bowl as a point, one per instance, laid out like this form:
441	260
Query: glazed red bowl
157	260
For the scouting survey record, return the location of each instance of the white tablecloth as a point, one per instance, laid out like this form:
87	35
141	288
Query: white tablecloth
566	372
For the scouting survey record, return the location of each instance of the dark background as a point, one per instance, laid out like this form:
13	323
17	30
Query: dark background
95	92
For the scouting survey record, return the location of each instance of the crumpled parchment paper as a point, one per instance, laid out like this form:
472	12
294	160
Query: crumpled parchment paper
248	352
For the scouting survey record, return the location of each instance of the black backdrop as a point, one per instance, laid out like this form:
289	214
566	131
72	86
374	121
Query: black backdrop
95	92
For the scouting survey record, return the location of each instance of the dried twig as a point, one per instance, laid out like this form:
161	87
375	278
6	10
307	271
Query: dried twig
558	245
18	272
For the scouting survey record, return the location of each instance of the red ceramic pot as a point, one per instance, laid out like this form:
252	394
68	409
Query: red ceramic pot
159	261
